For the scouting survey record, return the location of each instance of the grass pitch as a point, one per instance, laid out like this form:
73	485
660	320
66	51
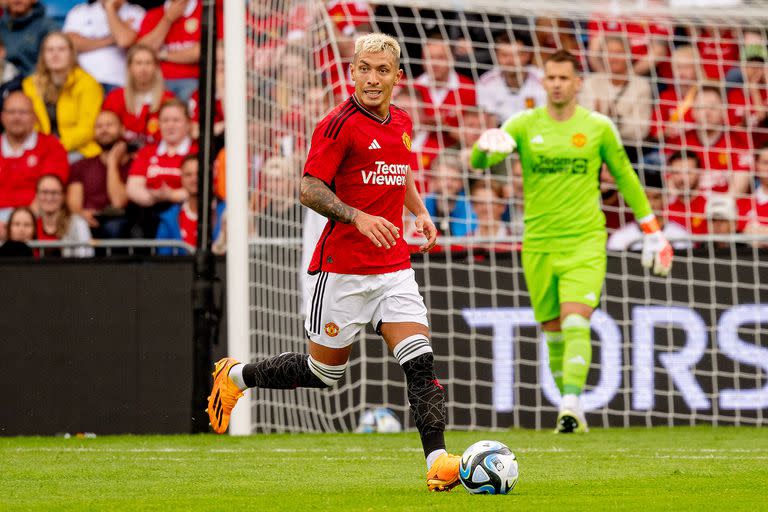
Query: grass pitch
698	468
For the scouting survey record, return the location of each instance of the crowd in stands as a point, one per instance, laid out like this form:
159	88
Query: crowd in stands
100	108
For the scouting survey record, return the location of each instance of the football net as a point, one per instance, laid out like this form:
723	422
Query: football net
686	349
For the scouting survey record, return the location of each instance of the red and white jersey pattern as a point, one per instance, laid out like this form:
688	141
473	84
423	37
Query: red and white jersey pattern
753	210
719	159
157	165
188	224
365	160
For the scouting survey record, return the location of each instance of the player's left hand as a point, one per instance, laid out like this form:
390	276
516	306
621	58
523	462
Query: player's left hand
657	253
425	226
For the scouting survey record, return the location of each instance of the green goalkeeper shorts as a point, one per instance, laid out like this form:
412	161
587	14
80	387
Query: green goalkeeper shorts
556	277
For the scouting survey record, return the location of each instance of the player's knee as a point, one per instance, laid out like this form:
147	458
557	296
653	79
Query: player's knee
328	374
575	321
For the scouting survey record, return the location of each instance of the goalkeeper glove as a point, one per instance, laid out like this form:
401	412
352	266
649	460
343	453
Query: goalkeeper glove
657	252
496	140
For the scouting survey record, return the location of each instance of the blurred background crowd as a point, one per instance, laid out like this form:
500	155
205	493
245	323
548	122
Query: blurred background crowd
100	111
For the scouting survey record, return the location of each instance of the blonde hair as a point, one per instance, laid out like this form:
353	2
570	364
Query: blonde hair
43	79
158	84
376	42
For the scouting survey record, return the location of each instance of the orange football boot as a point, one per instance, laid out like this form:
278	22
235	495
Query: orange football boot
444	473
224	395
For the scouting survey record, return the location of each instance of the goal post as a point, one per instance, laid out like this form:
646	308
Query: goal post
688	349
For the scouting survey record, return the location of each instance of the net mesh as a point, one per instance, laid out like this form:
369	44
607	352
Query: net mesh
690	348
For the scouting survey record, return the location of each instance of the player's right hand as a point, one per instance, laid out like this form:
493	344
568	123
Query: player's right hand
378	229
496	140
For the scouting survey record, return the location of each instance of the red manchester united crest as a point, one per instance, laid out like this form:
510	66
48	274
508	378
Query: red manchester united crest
331	329
578	140
407	141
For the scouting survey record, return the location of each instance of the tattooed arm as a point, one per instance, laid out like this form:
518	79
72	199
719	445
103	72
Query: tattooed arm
315	194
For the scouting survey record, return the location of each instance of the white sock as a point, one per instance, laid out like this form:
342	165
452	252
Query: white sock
432	457
236	374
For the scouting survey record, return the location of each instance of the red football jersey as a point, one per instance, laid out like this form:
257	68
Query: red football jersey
730	153
184	33
142	128
154	163
753	210
188	225
689	214
670	107
365	161
19	171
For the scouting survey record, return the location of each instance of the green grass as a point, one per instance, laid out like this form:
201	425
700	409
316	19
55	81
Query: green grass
628	469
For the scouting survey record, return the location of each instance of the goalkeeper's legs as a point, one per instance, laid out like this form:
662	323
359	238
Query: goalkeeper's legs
409	343
576	358
556	346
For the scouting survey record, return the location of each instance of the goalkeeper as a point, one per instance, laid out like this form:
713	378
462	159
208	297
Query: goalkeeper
562	147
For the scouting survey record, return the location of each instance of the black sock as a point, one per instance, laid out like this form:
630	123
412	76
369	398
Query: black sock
286	371
427	399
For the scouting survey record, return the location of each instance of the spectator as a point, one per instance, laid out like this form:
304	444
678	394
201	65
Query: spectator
25	155
56	222
173	31
514	84
630	236
426	140
748	104
685	203
282	212
447	201
22	229
154	180
717	47
96	188
723	152
673	112
446	93
10	79
23	26
620	94
66	99
101	31
721	214
7	70
754	210
179	222
649	42
138	103
488	202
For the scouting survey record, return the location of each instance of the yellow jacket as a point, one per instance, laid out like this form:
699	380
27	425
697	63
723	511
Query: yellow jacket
76	111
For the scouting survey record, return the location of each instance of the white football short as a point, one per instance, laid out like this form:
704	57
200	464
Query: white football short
339	305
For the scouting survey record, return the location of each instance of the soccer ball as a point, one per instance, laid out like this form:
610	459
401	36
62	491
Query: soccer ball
488	467
380	420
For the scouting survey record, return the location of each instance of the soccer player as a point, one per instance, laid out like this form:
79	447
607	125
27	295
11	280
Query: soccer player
562	147
359	175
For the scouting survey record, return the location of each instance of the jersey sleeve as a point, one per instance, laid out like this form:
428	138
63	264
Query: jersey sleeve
613	154
140	164
329	145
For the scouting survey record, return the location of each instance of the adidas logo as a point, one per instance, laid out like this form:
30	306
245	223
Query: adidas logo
537	140
578	360
590	296
374	145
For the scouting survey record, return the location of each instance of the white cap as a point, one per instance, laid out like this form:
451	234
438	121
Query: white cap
721	206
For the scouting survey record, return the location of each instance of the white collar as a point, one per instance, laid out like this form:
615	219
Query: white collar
188	211
181	149
191	6
9	152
